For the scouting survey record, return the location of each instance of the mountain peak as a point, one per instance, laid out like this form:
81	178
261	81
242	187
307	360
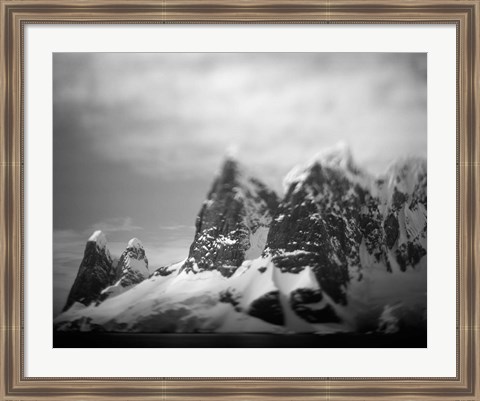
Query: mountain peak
231	158
233	175
233	221
135	243
95	272
99	237
229	164
338	157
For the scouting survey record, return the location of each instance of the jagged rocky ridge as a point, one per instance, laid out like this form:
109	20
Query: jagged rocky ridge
99	277
335	217
342	251
233	222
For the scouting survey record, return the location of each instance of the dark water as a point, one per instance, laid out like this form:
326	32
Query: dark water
196	340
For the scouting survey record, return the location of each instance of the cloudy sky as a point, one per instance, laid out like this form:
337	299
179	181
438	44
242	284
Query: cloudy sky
138	137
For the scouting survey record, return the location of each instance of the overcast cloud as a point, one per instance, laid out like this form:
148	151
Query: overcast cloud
174	115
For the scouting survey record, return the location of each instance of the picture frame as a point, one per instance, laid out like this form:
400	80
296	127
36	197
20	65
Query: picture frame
16	15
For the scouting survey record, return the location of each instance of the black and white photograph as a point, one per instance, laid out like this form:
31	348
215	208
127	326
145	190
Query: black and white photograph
240	200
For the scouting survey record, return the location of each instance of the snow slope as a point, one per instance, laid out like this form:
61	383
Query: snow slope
209	302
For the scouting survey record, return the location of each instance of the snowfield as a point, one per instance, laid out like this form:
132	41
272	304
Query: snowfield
193	302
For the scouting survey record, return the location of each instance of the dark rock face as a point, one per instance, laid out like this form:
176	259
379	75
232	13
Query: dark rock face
95	273
126	273
370	222
409	254
332	210
236	207
318	225
268	308
392	230
302	301
162	271
229	296
132	269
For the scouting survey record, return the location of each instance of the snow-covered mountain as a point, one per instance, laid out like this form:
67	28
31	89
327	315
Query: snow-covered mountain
341	251
132	269
338	219
233	222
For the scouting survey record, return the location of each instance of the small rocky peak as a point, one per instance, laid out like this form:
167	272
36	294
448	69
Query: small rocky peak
135	243
132	267
135	250
95	273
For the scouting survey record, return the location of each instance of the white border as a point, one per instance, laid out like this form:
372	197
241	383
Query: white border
438	360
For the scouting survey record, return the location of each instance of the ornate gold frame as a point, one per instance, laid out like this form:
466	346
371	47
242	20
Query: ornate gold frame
15	14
